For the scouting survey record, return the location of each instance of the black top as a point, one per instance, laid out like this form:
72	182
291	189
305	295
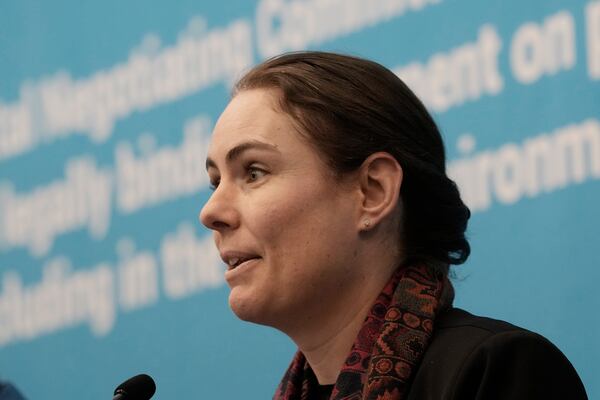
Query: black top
325	391
478	358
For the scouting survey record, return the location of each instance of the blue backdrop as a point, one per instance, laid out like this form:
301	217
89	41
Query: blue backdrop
105	113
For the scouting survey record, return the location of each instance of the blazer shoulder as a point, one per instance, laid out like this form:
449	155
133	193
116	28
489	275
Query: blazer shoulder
471	357
458	318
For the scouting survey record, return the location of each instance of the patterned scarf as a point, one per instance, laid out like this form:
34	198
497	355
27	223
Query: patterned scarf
389	346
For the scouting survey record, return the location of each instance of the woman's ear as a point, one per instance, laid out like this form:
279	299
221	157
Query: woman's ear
380	179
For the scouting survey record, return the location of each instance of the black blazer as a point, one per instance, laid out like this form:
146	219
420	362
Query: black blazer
472	357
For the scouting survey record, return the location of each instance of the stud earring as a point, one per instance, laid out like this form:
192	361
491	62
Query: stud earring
367	223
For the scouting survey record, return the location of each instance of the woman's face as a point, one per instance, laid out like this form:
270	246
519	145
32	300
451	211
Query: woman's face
284	224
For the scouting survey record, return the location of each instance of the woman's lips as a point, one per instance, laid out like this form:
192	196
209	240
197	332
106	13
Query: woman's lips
239	261
240	268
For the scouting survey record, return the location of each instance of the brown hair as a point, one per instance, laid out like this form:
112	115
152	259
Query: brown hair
350	108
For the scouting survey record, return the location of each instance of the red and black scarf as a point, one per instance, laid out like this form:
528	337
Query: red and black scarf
389	346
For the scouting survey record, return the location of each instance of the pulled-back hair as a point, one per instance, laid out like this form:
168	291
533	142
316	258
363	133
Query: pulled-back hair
350	108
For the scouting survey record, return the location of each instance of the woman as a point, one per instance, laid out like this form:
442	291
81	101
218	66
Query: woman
333	211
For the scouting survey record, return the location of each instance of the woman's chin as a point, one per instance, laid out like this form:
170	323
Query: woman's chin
246	308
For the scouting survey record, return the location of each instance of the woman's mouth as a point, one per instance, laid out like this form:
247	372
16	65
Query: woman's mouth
235	262
239	267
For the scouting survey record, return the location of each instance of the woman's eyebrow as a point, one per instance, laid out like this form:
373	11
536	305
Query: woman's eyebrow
238	150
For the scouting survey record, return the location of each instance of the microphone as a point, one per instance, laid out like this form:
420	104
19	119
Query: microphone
140	387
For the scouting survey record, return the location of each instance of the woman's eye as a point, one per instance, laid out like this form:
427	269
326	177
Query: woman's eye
255	173
213	185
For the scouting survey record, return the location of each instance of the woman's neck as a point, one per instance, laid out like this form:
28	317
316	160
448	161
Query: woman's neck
327	353
327	339
327	332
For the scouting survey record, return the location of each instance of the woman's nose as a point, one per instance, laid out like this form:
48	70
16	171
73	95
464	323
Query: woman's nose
219	212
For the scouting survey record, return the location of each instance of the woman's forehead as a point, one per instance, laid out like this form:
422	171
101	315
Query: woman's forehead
251	116
248	107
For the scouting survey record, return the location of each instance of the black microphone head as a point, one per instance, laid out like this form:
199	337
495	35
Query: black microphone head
140	387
